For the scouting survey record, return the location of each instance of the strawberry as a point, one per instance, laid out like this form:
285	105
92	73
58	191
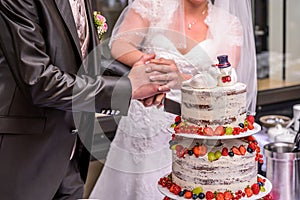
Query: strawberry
209	195
224	151
252	146
188	195
255	188
203	150
248	192
177	129
177	189
172	188
177	119
219	130
250	126
268	197
243	149
251	138
236	150
250	118
259	179
166	198
196	151
180	154
228	195
208	131
220	196
179	147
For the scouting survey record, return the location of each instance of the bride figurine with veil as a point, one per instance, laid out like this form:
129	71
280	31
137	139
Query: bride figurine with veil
187	33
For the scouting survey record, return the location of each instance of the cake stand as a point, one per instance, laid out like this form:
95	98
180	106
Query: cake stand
257	128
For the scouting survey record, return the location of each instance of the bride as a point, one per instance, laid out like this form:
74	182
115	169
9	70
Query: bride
187	34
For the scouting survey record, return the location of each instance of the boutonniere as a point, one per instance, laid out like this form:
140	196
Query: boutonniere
100	24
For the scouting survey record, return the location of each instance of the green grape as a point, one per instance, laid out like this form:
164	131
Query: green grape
218	154
197	190
211	156
228	130
262	188
173	147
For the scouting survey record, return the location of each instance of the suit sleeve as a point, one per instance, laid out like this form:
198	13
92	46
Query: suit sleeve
43	83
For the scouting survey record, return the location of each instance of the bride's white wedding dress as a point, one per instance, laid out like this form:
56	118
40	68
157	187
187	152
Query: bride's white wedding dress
139	154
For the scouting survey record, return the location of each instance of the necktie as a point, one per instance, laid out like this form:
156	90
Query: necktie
79	14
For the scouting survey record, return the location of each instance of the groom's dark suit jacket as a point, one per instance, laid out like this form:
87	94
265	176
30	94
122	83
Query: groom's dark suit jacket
39	57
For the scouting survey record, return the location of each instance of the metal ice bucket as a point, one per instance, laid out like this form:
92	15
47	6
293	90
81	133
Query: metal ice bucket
283	170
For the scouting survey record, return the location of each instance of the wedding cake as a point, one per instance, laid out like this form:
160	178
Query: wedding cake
214	106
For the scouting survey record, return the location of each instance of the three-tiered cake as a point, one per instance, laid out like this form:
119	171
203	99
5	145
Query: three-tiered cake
214	153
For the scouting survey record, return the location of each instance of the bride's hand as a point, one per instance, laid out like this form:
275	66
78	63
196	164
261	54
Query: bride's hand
171	77
156	100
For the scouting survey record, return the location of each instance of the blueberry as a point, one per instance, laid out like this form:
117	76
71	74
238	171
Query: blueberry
260	183
195	196
172	142
181	193
190	152
249	150
241	125
201	195
231	154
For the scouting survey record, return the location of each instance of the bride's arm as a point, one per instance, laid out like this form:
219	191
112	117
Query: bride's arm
129	36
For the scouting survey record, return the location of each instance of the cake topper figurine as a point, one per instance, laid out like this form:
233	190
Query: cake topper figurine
221	74
227	74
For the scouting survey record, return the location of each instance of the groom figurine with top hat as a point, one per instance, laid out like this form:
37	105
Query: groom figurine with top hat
227	74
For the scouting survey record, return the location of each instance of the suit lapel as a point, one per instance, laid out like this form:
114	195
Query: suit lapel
67	15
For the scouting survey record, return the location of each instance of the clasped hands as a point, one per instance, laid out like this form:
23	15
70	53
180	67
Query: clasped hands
151	78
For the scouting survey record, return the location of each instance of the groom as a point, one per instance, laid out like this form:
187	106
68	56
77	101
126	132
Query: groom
41	51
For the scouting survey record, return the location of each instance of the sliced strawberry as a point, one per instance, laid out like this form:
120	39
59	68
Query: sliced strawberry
224	151
248	192
255	188
220	196
172	188
208	131
236	150
228	195
243	149
220	130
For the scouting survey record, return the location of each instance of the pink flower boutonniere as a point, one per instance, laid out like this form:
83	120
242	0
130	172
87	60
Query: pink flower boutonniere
100	24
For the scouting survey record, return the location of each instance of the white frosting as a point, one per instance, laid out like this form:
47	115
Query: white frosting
215	106
227	173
